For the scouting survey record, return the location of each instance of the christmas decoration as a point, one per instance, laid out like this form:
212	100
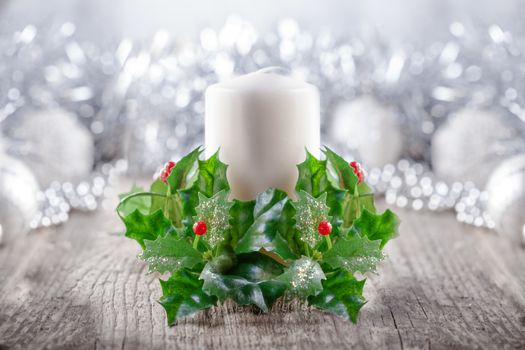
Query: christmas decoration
255	252
470	145
200	228
358	171
166	172
53	144
412	185
18	197
143	101
370	129
324	228
506	197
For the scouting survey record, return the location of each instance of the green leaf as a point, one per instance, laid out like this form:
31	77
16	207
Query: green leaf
377	226
334	200
215	212
169	254
341	175
212	176
353	206
250	282
303	277
224	260
158	202
140	203
312	178
342	295
339	172
310	211
142	227
355	254
264	232
241	218
256	267
184	172
183	295
190	200
287	226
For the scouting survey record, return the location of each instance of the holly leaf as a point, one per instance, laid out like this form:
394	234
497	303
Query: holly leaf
303	277
250	282
381	227
142	227
339	172
354	205
169	254
190	200
210	179
310	211
264	231
241	218
224	260
182	295
341	175
287	226
355	254
140	203
184	173
313	179
212	176
312	176
215	212
158	202
342	295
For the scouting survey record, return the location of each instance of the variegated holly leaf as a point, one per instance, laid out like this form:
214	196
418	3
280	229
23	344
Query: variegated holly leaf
215	212
310	211
303	277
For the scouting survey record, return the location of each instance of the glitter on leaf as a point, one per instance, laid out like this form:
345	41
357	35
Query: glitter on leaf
310	212
215	212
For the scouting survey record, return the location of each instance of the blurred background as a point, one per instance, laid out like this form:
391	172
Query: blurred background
428	94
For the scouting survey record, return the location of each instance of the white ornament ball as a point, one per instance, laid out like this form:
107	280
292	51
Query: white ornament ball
506	197
54	144
469	145
370	128
18	197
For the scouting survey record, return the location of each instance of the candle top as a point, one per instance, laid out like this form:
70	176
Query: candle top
266	80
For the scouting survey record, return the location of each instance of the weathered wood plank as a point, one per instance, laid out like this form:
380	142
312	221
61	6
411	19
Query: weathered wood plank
443	286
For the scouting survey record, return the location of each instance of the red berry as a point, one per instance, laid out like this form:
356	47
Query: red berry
324	228
358	171
200	228
166	171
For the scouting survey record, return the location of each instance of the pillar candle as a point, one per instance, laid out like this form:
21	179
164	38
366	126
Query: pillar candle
262	123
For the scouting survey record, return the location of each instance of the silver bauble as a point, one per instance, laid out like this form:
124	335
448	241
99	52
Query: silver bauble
470	144
54	144
18	197
506	197
370	128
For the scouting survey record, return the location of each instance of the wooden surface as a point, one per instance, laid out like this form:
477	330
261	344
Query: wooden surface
444	286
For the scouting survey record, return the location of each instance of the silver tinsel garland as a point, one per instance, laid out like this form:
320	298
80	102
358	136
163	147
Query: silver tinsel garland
144	103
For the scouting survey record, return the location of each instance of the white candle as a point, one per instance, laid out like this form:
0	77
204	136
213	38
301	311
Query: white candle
262	123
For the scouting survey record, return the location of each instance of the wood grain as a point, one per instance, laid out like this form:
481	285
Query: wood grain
444	286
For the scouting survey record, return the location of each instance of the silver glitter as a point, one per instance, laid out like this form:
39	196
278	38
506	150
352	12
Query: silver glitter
310	211
143	101
215	213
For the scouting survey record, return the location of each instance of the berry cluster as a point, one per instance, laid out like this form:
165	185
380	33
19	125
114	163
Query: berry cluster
358	171
166	171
